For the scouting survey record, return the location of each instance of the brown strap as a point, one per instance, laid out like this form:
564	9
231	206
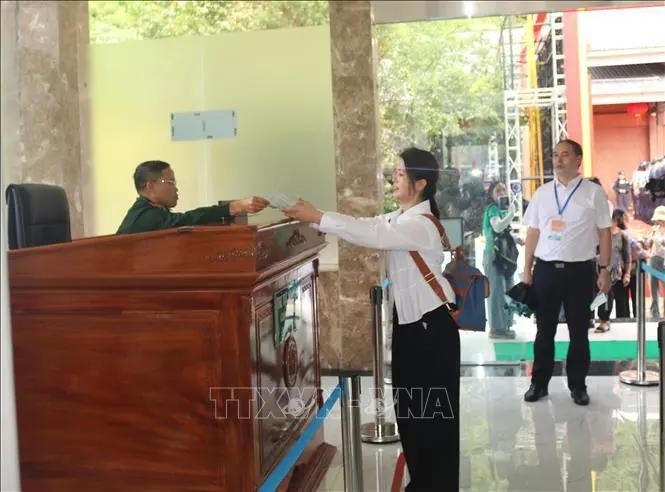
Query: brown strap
429	277
427	274
441	229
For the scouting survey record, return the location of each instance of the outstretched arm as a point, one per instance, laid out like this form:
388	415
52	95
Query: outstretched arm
414	233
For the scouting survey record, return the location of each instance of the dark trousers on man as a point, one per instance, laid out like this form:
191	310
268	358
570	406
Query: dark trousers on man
570	283
426	387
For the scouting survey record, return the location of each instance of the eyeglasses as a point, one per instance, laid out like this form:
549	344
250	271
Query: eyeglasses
168	181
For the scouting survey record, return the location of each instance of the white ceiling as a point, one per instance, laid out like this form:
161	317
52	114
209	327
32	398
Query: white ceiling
391	11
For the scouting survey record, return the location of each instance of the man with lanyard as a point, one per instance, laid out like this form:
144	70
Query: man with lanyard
567	219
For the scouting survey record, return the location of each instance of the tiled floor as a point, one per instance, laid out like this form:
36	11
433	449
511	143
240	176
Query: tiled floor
479	348
550	445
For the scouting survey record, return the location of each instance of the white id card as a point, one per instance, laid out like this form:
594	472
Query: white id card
557	227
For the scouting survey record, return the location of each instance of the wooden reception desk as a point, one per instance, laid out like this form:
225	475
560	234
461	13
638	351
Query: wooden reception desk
184	359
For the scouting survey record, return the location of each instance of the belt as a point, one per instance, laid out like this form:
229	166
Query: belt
564	264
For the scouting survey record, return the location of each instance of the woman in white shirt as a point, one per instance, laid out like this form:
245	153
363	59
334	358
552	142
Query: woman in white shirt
425	345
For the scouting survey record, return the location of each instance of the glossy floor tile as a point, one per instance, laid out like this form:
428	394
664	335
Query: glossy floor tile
617	344
550	445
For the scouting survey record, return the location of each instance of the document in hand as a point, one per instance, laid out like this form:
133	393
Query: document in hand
280	200
601	298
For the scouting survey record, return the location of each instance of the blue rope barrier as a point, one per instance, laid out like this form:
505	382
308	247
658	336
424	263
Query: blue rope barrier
653	272
283	467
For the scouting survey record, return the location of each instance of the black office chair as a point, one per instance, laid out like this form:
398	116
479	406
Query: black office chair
37	215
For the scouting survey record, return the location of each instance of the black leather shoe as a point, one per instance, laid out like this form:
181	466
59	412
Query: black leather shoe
580	396
535	393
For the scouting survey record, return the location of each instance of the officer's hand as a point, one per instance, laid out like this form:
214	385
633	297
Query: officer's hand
603	282
527	277
250	205
304	212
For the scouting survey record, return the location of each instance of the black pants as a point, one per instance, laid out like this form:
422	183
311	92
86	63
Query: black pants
426	386
555	283
631	290
618	294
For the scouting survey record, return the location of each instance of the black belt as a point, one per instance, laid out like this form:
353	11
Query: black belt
564	264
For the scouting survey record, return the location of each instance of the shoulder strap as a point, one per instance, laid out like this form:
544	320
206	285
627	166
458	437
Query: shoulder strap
441	229
427	274
429	277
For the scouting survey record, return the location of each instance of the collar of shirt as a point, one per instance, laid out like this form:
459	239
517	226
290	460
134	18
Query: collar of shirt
571	184
421	208
144	201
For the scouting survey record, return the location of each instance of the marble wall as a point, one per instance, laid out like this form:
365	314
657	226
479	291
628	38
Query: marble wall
346	320
44	57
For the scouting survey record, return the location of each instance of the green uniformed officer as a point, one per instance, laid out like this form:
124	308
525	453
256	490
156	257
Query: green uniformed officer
158	193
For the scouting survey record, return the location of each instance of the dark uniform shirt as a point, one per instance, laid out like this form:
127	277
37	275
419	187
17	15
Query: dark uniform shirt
143	217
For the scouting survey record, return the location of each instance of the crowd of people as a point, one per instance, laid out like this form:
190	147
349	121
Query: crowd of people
636	204
573	249
643	192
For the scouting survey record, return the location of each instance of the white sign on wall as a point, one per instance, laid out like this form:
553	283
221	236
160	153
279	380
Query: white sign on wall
204	125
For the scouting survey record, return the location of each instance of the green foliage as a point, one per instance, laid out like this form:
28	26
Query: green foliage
441	84
115	21
390	204
435	78
439	78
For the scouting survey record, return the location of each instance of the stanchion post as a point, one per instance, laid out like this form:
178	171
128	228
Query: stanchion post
640	377
351	445
378	431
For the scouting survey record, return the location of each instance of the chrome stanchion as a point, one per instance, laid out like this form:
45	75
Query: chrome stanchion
378	431
351	445
640	377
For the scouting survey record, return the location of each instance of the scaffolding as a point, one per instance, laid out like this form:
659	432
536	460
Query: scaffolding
523	98
493	166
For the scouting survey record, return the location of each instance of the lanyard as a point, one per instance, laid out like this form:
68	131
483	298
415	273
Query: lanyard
556	195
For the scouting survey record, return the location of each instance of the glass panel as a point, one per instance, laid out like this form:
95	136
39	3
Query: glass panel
181	58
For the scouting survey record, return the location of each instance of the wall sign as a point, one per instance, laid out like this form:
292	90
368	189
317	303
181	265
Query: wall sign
204	125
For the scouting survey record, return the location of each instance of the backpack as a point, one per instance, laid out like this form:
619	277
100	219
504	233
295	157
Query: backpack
471	288
505	252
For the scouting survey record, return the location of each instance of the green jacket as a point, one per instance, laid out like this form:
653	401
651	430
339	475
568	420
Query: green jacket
143	217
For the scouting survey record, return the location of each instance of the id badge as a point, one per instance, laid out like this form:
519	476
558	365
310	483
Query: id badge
557	226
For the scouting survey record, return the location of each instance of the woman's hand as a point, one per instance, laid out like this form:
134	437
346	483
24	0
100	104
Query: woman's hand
304	212
603	281
626	279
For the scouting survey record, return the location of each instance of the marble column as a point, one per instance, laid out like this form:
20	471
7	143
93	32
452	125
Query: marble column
346	331
44	95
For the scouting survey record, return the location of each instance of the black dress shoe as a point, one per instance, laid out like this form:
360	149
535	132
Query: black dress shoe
580	396
535	393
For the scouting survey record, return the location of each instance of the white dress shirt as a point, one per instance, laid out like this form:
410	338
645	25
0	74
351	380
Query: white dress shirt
586	212
398	233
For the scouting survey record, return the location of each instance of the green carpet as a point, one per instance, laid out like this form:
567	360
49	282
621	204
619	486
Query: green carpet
605	350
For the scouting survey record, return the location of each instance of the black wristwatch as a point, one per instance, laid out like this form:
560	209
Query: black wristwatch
602	267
